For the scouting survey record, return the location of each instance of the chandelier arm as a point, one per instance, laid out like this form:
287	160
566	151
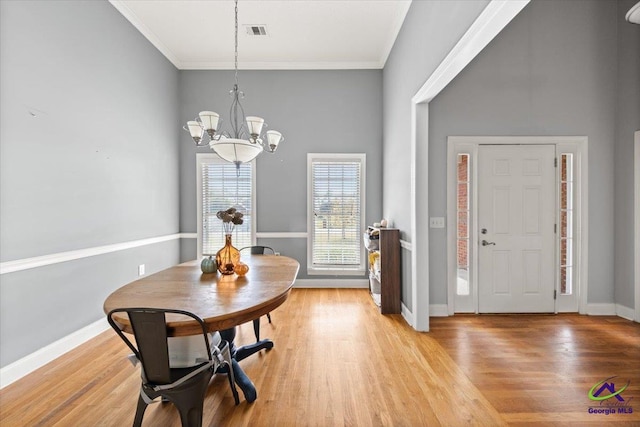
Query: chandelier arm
244	119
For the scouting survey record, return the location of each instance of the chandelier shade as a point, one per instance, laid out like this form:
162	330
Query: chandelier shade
236	151
245	141
254	124
273	139
196	131
209	121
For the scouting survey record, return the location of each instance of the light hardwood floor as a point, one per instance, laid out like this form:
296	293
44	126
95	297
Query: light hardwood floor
337	361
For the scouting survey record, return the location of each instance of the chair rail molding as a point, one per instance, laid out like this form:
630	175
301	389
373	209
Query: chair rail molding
41	261
55	258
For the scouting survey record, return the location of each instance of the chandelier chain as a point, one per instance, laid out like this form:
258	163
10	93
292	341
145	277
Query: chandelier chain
236	45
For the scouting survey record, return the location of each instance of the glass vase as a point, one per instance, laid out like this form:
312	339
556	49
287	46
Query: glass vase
227	257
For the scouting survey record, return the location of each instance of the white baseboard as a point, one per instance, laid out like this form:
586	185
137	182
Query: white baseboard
625	312
604	309
39	358
406	313
332	283
438	310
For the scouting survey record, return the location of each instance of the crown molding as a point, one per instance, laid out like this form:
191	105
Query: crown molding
146	32
283	65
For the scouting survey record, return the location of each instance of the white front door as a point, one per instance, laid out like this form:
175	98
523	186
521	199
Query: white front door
516	217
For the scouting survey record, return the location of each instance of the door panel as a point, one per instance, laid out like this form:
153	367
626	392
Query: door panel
516	211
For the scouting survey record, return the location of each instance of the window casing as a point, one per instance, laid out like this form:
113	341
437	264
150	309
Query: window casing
219	187
336	189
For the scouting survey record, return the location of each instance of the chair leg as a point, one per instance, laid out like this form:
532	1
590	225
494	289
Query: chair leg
256	328
226	367
269	317
232	384
142	406
191	415
189	400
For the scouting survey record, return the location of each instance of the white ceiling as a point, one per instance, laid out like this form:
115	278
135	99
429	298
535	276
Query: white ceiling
302	34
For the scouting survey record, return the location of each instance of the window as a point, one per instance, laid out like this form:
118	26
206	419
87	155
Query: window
566	223
221	186
336	213
462	226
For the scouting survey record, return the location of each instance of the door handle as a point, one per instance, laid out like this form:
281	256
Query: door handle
485	243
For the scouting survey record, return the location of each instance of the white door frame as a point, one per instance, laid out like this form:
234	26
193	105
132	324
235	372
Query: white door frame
469	144
489	23
636	215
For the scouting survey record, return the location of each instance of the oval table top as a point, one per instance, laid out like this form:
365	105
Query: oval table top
221	301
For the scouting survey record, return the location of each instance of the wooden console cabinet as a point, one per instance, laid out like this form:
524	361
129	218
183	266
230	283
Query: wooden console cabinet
386	270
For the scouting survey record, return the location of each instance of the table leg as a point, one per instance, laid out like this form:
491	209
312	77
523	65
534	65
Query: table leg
237	354
244	351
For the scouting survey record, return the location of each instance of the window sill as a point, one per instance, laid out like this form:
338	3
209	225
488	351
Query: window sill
336	272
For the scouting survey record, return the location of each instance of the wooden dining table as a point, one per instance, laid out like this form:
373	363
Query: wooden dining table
221	301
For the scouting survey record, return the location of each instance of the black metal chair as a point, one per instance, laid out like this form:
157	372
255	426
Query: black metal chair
184	387
259	250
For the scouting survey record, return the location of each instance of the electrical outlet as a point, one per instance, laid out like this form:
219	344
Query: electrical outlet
436	222
277	253
141	270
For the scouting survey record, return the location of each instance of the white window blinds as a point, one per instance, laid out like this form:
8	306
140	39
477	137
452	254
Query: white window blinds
221	187
336	226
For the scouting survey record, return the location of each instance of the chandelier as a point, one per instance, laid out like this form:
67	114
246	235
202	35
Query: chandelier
246	139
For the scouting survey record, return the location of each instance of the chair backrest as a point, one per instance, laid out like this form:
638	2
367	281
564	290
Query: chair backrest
150	330
259	250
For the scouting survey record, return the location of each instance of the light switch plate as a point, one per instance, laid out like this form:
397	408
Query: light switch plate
436	222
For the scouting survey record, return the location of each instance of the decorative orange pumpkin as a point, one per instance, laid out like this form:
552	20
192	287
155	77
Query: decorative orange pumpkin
241	269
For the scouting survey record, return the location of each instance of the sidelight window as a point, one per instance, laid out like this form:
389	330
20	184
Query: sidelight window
462	224
566	223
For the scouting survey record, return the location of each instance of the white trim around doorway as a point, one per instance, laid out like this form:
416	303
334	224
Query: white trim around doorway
578	145
636	215
489	23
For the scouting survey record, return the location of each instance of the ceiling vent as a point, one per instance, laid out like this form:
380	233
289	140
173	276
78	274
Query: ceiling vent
256	30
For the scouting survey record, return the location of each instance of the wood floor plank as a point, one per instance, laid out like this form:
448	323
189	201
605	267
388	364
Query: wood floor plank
338	362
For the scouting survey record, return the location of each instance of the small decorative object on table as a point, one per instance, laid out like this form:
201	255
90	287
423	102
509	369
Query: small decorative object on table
241	269
228	257
208	265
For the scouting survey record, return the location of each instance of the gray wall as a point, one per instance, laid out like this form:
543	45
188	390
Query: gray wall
317	112
628	121
551	71
97	165
429	32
